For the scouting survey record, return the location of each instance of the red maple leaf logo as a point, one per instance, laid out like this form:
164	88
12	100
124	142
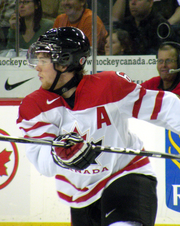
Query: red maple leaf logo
4	158
76	131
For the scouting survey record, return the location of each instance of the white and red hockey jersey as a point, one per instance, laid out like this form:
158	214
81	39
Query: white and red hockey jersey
103	104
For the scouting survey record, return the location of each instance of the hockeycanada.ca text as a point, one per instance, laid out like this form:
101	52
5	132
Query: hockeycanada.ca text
106	61
13	62
117	62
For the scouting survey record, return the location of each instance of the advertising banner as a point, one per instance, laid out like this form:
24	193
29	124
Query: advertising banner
173	172
18	79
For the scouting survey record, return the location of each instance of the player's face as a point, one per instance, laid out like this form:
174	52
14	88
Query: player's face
26	8
46	71
117	49
167	59
140	8
71	7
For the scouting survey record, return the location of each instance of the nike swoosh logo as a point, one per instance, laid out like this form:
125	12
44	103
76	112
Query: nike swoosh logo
15	85
107	214
51	101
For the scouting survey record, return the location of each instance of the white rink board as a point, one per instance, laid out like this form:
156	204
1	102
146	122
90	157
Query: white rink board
31	197
15	69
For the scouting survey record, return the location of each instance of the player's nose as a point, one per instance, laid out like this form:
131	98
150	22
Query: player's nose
38	68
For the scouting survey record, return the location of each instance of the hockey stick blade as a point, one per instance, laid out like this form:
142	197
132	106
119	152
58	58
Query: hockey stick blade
128	151
96	148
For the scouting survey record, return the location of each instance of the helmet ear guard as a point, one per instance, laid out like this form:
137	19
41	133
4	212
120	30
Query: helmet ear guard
65	59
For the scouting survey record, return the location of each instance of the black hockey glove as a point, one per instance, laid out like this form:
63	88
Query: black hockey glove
76	153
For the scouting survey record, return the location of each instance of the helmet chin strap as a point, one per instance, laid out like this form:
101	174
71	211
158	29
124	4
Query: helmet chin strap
58	74
70	84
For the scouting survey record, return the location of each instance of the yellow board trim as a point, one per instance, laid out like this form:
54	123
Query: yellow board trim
54	224
33	224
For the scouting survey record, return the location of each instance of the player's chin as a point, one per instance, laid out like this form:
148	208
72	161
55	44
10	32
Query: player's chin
41	80
45	86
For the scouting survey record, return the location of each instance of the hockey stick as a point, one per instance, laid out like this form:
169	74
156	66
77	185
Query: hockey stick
30	140
96	148
129	151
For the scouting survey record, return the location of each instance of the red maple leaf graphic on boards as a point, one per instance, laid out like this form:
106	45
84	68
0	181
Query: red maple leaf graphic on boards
4	158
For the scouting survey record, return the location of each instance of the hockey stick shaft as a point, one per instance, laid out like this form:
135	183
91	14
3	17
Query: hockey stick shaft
128	151
96	148
26	140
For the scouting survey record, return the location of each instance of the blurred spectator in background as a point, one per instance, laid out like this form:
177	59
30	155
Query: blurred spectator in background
102	10
7	7
169	9
51	9
120	10
121	43
77	15
142	26
168	58
32	25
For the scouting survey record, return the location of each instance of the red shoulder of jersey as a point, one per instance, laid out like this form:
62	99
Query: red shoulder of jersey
37	102
103	88
93	90
152	83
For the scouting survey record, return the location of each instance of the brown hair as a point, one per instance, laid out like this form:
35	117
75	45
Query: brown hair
37	18
168	46
124	38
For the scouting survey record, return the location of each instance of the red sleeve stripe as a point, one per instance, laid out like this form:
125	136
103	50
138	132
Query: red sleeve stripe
137	104
158	104
44	135
100	186
35	126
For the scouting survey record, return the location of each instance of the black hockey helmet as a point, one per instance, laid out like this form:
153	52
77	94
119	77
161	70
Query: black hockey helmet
67	46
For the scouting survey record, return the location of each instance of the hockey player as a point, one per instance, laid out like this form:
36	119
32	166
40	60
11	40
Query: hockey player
102	189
